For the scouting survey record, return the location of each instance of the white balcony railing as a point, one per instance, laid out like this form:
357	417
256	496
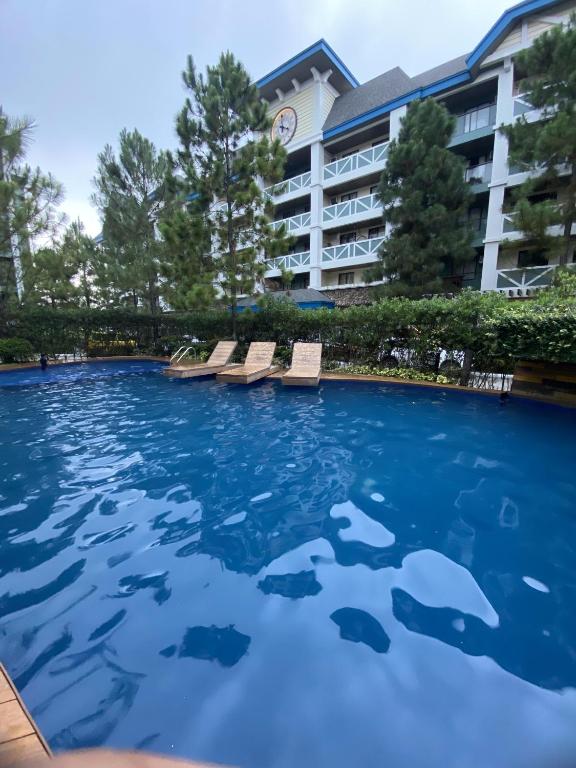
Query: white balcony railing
364	160
290	261
479	174
522	105
366	204
294	223
361	248
522	281
286	187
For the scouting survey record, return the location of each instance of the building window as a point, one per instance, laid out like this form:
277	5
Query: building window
300	281
532	258
376	232
374	189
348	196
349	153
347	237
345	278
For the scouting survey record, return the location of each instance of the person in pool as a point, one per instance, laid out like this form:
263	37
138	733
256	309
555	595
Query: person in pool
43	361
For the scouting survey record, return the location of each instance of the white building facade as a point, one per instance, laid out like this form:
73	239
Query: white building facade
336	133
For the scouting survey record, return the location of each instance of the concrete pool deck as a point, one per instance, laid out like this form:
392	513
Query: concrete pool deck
20	738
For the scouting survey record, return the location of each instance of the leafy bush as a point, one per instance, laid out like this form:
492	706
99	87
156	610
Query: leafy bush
399	373
484	332
15	350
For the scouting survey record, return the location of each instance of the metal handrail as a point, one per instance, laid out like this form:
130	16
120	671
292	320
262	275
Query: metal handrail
177	351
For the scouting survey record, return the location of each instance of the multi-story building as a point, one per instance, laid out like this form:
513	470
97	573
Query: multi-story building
336	132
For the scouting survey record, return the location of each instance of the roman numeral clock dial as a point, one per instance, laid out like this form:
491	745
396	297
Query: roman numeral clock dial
284	125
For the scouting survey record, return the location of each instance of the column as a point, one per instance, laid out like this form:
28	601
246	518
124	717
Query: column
395	121
316	206
504	114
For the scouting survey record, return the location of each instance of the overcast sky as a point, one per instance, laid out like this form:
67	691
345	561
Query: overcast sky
84	69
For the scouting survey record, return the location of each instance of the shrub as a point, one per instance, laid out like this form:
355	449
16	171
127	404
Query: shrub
15	350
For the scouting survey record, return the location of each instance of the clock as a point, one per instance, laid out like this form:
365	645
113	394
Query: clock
284	125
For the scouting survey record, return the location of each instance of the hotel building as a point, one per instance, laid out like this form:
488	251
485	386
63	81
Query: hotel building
337	132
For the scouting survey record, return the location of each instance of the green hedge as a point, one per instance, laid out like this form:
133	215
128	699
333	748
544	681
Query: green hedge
493	330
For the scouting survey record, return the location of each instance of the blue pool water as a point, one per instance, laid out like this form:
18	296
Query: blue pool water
356	575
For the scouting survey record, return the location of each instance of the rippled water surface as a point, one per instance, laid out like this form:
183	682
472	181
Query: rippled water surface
355	575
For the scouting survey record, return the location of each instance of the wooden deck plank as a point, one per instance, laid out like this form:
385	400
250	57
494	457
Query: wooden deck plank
6	690
20	738
13	721
18	750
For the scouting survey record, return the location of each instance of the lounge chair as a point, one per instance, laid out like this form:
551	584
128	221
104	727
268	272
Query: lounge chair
218	361
305	368
257	365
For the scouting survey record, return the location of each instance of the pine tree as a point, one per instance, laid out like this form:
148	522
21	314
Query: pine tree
425	199
82	254
132	196
547	147
224	149
50	279
28	199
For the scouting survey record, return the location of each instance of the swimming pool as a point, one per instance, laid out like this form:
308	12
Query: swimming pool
355	575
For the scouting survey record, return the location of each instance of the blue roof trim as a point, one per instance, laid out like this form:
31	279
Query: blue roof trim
320	46
419	93
509	16
500	26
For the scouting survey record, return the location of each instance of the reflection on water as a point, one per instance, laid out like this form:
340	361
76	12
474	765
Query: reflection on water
262	577
359	627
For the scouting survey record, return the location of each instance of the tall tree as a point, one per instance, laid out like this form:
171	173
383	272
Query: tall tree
547	147
132	196
82	254
28	197
50	279
425	199
224	149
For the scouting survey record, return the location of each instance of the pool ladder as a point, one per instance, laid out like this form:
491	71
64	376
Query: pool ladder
182	352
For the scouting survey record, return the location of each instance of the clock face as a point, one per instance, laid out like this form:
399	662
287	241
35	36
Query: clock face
284	125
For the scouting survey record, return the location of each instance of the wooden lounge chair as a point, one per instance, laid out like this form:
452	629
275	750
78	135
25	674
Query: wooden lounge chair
305	368
257	365
218	361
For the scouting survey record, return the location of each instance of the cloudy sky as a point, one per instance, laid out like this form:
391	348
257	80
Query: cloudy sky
84	69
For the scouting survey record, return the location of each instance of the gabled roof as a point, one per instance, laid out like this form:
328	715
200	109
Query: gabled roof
498	30
319	55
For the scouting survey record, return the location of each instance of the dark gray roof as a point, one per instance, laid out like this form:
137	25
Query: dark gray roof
298	295
451	67
383	88
390	85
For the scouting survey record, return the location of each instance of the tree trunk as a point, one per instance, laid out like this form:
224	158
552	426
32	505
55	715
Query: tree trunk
565	253
466	368
233	309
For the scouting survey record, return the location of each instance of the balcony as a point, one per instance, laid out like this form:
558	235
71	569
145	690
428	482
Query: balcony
360	209
294	224
474	124
361	252
522	281
359	164
290	188
479	176
293	261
